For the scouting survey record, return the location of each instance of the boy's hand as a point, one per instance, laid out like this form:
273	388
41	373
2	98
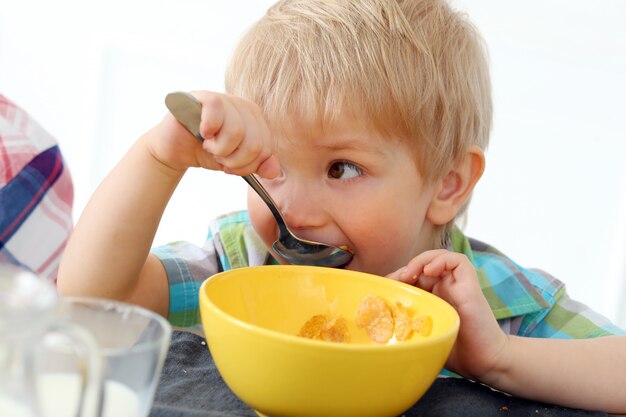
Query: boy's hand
237	138
480	347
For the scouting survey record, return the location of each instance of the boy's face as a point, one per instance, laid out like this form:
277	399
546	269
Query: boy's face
347	185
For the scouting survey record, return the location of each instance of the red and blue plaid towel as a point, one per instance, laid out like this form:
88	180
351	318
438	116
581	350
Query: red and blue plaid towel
36	194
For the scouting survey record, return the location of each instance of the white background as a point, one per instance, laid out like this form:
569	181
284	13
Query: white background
94	74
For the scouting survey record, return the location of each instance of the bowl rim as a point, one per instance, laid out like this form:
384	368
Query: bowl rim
298	340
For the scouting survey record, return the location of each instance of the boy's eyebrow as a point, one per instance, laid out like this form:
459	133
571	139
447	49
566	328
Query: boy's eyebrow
340	144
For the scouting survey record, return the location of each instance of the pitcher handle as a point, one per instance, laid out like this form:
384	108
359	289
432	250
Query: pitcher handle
91	368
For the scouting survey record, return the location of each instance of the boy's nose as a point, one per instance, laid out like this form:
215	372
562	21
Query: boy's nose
300	206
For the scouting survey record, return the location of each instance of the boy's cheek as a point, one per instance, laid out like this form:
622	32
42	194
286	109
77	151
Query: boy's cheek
262	220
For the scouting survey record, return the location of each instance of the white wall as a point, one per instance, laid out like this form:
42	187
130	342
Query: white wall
553	195
94	73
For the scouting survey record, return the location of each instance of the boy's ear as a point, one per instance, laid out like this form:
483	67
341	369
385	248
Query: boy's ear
455	188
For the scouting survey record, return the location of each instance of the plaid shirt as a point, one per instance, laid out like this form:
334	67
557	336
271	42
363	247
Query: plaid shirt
36	194
525	302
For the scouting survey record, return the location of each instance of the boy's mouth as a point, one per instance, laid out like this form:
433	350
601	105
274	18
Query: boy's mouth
350	251
304	252
346	248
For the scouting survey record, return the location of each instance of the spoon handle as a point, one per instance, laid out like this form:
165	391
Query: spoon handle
187	111
260	190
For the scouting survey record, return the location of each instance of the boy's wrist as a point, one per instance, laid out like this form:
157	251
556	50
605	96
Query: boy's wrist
499	373
151	144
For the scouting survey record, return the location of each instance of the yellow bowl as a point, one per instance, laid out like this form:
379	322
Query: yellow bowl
251	318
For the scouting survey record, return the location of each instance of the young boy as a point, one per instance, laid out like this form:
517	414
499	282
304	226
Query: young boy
366	121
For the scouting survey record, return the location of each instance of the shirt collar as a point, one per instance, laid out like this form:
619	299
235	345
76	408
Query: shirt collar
506	286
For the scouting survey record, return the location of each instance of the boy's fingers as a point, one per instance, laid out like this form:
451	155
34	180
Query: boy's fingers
426	282
213	114
437	266
230	135
396	275
403	275
234	133
410	272
428	268
455	263
269	168
417	264
421	281
251	151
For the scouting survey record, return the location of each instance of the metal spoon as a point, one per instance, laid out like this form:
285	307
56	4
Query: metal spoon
186	108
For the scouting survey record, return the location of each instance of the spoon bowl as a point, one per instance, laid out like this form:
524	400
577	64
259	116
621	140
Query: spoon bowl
187	109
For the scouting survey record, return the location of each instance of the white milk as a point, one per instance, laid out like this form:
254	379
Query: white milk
11	408
59	398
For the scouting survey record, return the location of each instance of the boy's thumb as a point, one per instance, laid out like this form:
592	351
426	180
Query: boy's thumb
270	168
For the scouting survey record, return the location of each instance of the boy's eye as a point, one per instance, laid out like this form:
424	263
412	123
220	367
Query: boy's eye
344	170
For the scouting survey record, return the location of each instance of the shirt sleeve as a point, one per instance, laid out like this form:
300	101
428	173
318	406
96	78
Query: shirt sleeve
568	319
187	266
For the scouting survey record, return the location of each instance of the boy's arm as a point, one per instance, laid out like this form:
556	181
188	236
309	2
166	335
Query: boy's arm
108	253
585	373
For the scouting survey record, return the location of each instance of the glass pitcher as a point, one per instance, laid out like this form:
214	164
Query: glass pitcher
133	344
28	314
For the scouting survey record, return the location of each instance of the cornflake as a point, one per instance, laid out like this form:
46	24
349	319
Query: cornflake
376	316
380	319
320	327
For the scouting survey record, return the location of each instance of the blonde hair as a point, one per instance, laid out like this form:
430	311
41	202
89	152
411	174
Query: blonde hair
415	69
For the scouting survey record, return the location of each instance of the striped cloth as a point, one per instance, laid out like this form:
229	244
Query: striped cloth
525	302
36	194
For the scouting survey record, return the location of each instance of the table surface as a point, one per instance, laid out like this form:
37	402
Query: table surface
191	386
